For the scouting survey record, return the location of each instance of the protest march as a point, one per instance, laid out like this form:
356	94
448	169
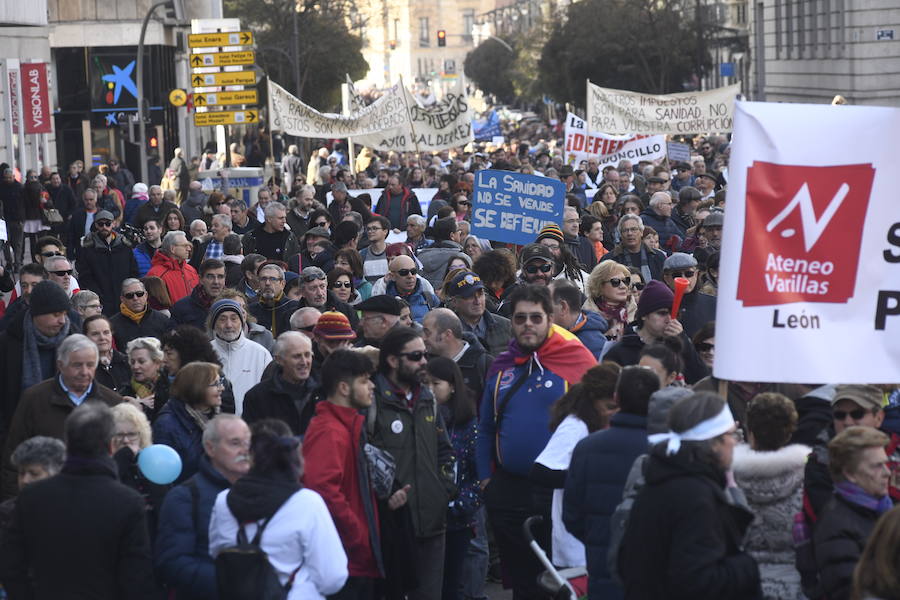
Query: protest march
426	351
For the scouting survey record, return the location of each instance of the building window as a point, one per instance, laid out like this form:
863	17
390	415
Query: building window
801	29
778	29
424	35
741	14
468	24
789	28
397	32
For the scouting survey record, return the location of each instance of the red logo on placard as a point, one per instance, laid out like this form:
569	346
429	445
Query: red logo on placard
802	233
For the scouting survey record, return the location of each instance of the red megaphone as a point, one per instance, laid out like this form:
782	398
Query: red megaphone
681	285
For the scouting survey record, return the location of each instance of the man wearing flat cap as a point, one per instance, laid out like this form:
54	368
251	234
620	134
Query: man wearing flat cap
379	315
697	308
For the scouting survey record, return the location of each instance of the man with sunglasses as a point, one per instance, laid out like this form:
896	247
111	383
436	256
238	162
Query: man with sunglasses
404	421
522	384
135	317
59	270
105	260
45	248
697	308
314	292
405	283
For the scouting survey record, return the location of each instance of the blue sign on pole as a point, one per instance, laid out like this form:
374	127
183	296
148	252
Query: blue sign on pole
513	208
726	69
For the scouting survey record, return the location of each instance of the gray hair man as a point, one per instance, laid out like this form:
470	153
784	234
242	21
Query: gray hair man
135	317
272	240
59	271
444	336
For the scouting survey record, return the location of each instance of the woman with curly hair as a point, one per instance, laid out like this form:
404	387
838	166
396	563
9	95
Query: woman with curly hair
183	345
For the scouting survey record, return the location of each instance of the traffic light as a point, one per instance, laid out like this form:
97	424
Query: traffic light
174	10
442	37
152	142
392	44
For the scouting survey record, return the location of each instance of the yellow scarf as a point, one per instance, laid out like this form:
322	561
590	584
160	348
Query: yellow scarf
136	317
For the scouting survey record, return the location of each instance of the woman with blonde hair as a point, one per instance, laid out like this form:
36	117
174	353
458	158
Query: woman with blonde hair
609	292
145	357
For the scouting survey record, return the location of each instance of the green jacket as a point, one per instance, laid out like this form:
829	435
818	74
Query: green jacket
418	441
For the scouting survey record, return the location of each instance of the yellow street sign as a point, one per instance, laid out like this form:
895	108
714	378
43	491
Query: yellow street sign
223	59
220	79
226	98
177	97
225	117
210	40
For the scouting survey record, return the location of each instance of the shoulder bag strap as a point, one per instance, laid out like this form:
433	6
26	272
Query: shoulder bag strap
501	408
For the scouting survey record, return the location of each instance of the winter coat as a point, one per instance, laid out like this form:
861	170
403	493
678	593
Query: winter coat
773	485
42	411
102	268
627	352
190	310
409	205
174	427
333	456
147	211
275	398
233	273
583	250
153	324
417	439
590	329
12	199
180	277
498	332
299	534
655	260
684	539
116	375
284	242
838	541
697	309
664	226
277	317
243	363
94	544
182	540
143	254
420	301
463	439
474	365
435	259
75	232
597	474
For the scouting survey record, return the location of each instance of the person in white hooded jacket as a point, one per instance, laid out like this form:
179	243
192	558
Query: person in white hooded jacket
243	360
299	539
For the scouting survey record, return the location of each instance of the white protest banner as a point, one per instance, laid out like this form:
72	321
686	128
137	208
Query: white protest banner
620	111
514	207
609	149
809	288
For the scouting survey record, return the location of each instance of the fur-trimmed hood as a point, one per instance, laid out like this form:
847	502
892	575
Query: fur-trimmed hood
769	476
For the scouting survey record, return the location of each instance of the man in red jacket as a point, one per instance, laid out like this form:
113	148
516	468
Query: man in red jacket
170	263
336	468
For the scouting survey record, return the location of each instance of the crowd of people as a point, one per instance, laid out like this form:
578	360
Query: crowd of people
370	402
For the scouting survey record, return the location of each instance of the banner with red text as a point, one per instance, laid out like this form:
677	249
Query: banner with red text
582	145
809	288
37	114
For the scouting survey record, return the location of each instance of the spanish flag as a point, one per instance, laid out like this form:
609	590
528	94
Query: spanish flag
561	353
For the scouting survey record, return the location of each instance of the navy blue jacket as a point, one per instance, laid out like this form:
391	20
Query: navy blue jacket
594	485
189	311
174	427
182	550
590	330
664	226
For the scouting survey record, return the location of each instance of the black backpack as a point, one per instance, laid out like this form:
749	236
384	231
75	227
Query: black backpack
243	572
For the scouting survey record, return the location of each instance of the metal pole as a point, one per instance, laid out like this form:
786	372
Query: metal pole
295	48
142	129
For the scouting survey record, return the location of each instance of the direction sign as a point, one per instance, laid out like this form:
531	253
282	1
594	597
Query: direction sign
226	98
210	40
225	117
220	79
223	59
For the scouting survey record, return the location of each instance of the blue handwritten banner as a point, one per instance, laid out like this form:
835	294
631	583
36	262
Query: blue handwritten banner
513	208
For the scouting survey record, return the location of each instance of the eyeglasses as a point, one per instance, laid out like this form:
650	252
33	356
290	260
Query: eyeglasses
618	281
219	382
688	274
551	246
631	230
49	254
374	228
62	273
127	436
856	414
637	286
104	224
705	347
416	356
270	279
406	272
341	284
544	268
312	277
133	295
94	306
522	318
572	221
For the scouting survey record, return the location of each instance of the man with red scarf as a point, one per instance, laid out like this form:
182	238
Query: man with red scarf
542	362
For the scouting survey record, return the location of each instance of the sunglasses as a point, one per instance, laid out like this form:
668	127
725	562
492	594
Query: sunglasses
532	269
416	356
463	203
855	414
618	281
320	224
312	277
104	223
341	284
61	273
406	272
133	295
705	347
688	274
522	318
49	254
637	286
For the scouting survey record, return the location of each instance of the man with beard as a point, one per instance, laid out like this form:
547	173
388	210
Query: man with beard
182	549
272	308
288	394
710	230
146	250
522	384
272	239
538	266
243	361
194	308
407	424
105	261
300	207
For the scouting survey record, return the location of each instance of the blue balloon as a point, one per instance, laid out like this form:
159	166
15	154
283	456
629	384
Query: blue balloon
159	463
